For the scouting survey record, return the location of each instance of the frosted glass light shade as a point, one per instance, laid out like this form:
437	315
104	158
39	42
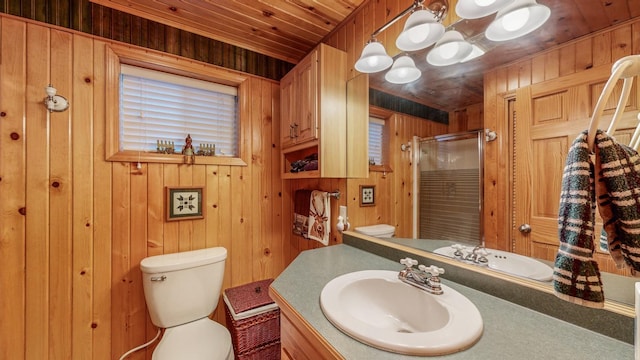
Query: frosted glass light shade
421	30
374	58
476	52
475	9
451	49
517	19
403	71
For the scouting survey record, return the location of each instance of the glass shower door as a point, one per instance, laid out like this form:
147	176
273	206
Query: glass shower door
450	188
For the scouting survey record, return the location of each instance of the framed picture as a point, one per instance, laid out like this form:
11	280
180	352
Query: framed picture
367	195
184	202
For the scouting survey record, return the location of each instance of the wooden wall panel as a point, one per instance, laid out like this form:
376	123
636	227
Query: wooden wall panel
12	188
74	227
60	330
82	187
102	220
37	233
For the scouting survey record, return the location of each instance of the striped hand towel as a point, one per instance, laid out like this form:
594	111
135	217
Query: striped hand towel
576	277
617	188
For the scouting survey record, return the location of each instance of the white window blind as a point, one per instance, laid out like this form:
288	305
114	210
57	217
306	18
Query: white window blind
161	106
376	131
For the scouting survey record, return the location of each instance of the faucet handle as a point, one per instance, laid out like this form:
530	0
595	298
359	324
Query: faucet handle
458	249
408	262
482	251
433	270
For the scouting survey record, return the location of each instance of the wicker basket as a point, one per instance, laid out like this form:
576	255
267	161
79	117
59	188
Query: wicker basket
258	335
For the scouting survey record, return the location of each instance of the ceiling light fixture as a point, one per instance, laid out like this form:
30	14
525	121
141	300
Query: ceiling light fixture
421	30
450	49
475	9
374	58
403	71
424	27
476	51
517	19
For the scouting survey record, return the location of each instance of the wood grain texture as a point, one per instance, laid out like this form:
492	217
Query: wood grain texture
579	72
74	226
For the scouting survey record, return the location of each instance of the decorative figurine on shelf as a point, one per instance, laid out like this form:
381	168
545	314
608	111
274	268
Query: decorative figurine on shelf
188	147
207	150
187	151
165	146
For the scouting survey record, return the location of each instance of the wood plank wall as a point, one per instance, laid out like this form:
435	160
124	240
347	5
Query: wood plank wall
601	48
74	227
90	18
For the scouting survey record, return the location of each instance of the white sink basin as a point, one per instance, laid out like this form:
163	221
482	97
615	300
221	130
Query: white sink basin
376	308
509	263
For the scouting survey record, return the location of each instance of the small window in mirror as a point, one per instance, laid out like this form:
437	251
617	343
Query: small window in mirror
376	136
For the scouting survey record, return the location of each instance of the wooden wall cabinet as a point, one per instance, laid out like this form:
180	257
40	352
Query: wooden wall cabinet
313	99
299	90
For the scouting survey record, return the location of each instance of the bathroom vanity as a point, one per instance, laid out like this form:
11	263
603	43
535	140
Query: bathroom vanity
511	331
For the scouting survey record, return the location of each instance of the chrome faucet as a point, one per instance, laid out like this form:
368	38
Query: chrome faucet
478	255
424	278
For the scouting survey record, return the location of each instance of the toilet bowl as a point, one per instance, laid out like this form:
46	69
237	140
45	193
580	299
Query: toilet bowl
181	291
379	230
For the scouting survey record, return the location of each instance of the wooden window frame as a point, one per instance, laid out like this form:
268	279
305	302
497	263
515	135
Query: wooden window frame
116	55
385	115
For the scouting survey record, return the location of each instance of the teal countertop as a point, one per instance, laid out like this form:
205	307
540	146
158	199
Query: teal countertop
511	331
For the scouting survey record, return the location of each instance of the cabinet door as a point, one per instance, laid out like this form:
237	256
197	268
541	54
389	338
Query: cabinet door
287	110
307	91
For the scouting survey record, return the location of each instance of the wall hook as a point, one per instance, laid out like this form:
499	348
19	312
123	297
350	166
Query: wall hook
55	102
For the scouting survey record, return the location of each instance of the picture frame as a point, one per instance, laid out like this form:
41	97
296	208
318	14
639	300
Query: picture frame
184	202
367	195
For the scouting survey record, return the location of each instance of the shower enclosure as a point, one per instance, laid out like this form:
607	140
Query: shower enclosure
448	187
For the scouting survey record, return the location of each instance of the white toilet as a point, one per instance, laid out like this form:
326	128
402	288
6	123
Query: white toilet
379	230
181	291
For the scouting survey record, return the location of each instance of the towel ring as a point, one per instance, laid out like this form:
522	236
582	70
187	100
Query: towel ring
626	68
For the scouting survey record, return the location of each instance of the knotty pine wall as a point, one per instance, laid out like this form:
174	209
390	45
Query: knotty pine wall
601	48
74	227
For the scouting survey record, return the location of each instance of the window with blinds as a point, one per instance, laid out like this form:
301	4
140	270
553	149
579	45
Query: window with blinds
159	106
376	132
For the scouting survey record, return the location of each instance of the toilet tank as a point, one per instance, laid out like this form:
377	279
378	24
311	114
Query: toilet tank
182	287
379	230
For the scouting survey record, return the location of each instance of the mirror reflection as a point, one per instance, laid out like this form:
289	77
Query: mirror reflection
528	109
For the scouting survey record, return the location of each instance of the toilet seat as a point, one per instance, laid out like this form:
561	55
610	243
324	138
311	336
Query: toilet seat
202	339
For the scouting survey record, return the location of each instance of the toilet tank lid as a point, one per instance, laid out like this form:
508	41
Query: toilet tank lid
374	230
182	260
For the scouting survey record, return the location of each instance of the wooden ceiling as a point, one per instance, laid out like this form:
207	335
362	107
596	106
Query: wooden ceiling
283	29
289	29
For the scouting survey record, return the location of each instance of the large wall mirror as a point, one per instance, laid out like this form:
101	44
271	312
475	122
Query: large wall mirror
536	152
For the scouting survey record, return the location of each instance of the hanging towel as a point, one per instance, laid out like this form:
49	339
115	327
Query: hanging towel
576	277
617	188
319	215
301	206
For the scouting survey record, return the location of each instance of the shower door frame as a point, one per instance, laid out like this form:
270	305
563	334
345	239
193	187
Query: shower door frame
480	135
